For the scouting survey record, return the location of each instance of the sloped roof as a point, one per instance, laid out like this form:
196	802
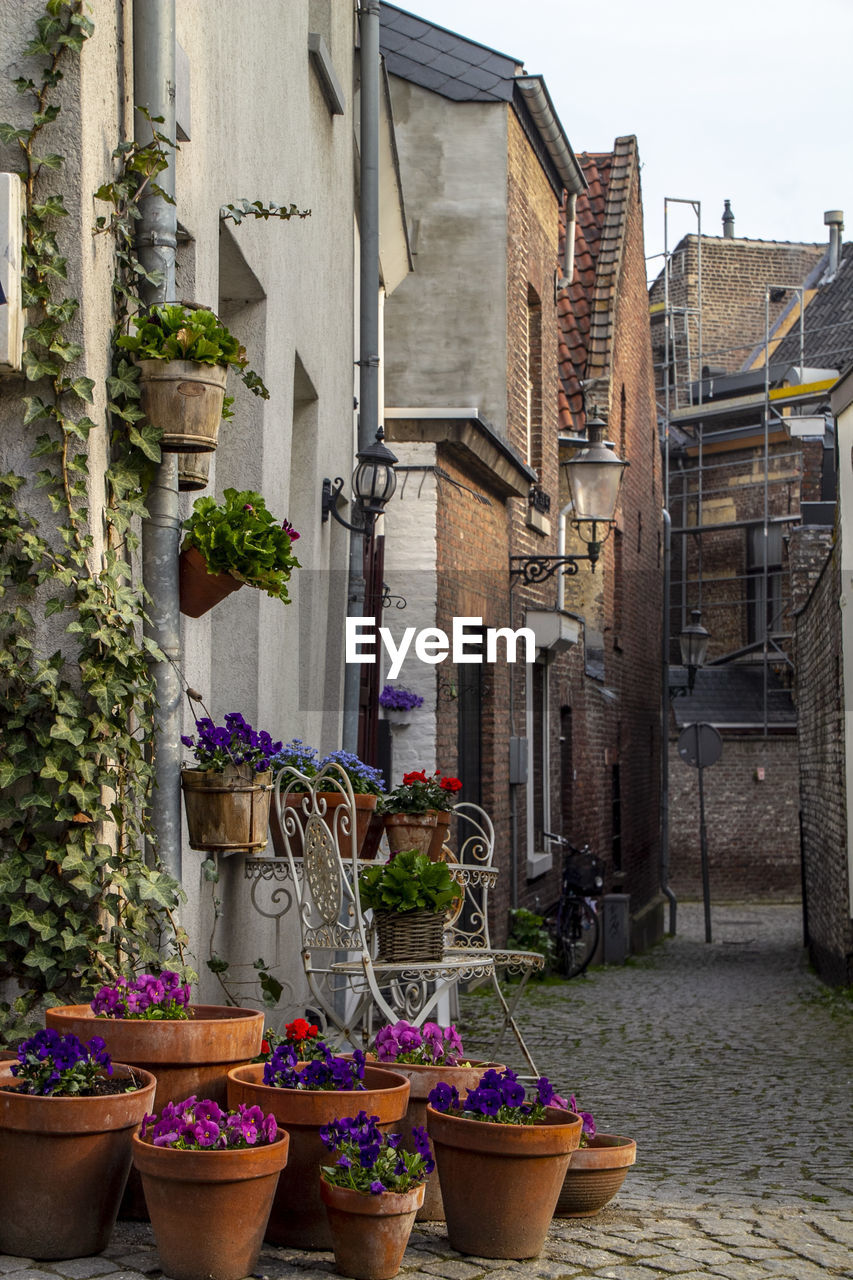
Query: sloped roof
441	60
733	696
586	309
828	328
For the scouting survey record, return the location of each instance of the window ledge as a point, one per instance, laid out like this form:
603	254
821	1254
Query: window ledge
538	864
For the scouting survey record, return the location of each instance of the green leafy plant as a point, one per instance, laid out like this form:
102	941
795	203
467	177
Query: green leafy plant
79	903
528	933
240	537
409	882
173	331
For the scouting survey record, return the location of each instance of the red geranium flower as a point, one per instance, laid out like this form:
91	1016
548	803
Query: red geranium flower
410	778
450	784
299	1029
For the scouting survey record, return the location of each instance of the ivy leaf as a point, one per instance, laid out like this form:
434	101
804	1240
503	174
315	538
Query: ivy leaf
9	133
82	387
35	409
50	161
217	965
147	439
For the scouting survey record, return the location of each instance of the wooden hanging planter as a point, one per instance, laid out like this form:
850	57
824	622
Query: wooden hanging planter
184	399
193	472
200	590
227	811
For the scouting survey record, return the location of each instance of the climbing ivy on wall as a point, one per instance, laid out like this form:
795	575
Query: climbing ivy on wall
78	902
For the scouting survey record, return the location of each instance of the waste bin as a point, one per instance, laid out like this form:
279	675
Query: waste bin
616	927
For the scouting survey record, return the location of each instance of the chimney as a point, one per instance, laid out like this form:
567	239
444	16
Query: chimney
834	219
728	221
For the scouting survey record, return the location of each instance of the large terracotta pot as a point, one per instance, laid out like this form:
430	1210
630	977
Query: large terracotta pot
184	398
63	1166
298	1217
369	1233
209	1209
191	1057
423	1077
410	831
200	590
518	1170
228	810
365	806
595	1174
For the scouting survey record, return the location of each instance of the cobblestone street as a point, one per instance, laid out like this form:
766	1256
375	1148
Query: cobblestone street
730	1065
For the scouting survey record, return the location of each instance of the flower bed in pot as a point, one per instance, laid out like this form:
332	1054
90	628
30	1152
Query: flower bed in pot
517	1151
304	1097
227	791
365	782
427	1056
65	1148
209	1179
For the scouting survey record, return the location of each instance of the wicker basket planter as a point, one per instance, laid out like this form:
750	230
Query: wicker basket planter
409	935
184	399
227	811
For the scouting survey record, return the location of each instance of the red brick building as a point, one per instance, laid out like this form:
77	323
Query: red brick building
485	349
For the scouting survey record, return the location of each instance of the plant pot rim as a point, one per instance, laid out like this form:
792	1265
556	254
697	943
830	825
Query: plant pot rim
393	1086
38	1113
211	1166
604	1151
426	819
559	1136
165	1043
150	365
423	1076
386	1204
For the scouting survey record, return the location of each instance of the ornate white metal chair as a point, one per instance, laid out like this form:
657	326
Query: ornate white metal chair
350	986
468	930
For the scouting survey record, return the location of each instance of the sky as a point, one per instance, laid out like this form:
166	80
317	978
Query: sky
751	102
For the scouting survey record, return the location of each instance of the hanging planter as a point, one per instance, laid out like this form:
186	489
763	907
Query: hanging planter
200	590
184	399
227	810
64	1159
193	471
595	1173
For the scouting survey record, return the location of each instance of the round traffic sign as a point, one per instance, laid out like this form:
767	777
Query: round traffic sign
700	745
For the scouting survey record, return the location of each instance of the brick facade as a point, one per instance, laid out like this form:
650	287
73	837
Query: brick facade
820	707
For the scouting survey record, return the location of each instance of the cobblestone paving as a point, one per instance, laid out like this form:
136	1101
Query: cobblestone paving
732	1068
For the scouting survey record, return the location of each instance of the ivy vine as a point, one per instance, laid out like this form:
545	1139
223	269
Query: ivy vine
78	902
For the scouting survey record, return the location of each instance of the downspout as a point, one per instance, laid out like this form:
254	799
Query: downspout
368	380
156	238
569	247
664	726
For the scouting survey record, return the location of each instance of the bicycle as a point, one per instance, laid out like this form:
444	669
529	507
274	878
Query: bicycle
574	920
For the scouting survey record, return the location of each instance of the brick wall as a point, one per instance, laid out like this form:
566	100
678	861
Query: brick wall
734	275
820	707
752	825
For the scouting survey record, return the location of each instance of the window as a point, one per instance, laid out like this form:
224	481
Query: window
539	778
763	596
533	378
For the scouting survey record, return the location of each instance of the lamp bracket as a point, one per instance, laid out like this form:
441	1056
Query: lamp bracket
532	569
331	492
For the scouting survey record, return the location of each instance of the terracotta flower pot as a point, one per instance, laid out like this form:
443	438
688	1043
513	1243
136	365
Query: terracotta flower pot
365	806
370	1233
423	1077
595	1174
228	809
200	590
209	1209
410	831
298	1217
442	827
519	1169
63	1166
192	1057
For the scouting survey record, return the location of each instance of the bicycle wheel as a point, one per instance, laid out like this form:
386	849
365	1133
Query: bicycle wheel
577	936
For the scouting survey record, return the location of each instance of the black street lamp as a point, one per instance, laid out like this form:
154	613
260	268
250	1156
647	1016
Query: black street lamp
694	647
374	481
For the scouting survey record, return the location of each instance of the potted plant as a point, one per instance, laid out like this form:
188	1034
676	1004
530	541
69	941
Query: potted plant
596	1171
184	353
517	1148
427	1055
409	897
67	1116
227	793
417	811
233	542
372	1193
195	1156
366	782
398	704
304	1096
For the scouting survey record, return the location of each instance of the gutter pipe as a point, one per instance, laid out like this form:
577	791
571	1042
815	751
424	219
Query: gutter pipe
368	328
664	726
538	100
156	240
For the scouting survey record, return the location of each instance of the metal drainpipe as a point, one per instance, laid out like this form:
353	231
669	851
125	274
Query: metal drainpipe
664	723
156	238
368	380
